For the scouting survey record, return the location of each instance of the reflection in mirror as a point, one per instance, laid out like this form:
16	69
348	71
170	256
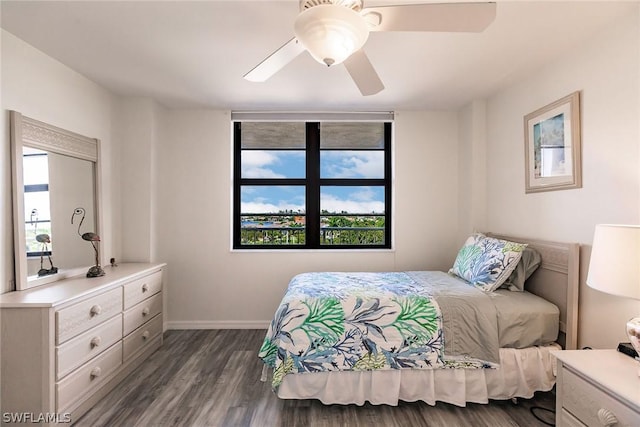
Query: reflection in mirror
54	172
52	183
35	168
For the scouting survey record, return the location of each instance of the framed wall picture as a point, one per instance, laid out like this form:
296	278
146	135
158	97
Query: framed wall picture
553	145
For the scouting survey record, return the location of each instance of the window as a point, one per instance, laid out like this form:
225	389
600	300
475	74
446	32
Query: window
312	185
36	200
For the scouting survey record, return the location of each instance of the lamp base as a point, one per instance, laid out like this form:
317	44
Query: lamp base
627	348
633	332
95	271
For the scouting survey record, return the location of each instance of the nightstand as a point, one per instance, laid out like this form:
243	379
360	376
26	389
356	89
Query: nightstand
597	388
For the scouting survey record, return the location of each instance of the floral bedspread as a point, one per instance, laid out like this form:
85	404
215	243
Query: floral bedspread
334	321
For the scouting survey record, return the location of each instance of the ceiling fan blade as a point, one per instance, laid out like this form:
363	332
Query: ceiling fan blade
363	73
446	17
276	61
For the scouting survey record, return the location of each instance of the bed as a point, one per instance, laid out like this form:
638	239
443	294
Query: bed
385	337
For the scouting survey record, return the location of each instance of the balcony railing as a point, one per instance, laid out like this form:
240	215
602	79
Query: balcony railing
329	236
272	235
352	236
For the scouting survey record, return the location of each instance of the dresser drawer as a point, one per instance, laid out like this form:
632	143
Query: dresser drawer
74	320
82	381
141	313
141	337
591	405
568	420
142	288
84	347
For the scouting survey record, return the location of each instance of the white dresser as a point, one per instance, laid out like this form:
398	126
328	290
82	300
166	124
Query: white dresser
597	388
65	345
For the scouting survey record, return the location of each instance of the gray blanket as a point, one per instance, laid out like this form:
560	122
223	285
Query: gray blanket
470	324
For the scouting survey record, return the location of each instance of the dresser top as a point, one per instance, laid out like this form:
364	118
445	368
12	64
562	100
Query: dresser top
72	288
610	369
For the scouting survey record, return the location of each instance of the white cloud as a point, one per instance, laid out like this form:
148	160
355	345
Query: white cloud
264	163
254	164
350	164
358	202
258	206
271	199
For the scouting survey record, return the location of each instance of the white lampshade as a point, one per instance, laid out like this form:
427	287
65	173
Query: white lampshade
331	32
615	260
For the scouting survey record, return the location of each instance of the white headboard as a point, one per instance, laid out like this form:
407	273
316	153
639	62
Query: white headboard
557	281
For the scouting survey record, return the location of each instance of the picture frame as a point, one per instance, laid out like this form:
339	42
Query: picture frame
552	142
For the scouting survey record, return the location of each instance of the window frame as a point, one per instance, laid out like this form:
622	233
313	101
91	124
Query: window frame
313	184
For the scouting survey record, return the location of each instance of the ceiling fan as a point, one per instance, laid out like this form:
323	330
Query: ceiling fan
334	31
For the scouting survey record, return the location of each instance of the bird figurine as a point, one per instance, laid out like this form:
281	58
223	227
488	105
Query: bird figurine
92	238
45	240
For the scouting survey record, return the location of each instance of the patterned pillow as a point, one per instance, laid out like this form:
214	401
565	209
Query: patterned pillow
487	262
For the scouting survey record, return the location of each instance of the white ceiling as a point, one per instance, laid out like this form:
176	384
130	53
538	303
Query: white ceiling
194	54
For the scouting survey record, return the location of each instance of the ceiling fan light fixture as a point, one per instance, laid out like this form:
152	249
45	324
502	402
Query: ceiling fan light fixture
331	33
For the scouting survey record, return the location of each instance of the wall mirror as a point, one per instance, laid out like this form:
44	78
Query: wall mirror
54	172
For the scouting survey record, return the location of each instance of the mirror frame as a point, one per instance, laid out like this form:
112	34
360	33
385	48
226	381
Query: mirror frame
29	132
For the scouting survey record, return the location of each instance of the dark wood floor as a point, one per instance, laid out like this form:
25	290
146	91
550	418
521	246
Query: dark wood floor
212	378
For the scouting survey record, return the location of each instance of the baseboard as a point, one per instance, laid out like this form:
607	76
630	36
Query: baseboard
217	324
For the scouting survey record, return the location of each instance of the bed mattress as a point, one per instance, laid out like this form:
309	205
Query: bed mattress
524	319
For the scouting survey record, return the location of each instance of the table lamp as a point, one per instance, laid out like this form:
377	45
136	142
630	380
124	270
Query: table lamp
615	267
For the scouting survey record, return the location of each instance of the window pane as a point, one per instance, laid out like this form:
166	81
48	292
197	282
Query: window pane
280	135
36	206
351	164
35	167
273	164
366	135
352	216
272	215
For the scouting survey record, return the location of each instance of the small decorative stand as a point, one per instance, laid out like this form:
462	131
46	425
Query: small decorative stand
45	240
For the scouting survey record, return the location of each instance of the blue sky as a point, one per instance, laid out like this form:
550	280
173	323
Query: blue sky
291	164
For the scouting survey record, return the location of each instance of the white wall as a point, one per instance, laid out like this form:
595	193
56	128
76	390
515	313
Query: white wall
44	89
134	154
607	72
211	285
472	160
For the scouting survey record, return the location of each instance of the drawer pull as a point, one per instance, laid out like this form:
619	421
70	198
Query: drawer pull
95	310
145	335
95	342
606	417
95	372
145	311
145	287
